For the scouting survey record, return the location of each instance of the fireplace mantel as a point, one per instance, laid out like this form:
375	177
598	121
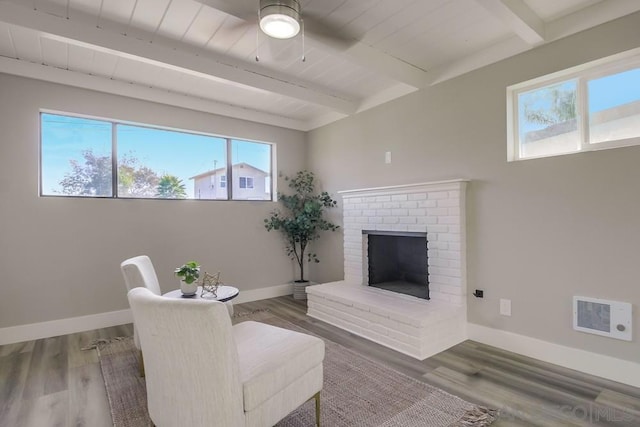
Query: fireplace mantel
406	188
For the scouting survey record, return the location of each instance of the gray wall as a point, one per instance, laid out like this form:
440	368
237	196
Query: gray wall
539	231
60	257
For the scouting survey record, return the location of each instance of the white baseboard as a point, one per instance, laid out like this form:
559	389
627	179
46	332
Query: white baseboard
608	367
54	328
264	293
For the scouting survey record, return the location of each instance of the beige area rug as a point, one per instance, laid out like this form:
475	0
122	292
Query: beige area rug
357	391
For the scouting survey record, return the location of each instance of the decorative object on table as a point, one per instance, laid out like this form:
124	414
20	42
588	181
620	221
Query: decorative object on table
210	283
301	222
188	274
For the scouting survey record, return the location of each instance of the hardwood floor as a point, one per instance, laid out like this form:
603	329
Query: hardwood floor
52	382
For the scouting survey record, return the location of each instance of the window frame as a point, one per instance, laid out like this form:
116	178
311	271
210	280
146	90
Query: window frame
583	74
114	159
247	180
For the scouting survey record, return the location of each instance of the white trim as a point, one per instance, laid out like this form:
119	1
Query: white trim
54	328
608	367
600	365
452	184
264	293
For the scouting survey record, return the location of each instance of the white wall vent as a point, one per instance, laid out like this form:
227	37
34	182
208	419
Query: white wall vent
602	317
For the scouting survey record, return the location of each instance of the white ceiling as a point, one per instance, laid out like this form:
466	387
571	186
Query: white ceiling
201	54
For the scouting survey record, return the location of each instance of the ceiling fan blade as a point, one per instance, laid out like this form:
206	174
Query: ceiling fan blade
325	33
243	9
241	25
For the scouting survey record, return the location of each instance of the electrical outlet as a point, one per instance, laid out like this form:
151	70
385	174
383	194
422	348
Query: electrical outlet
505	307
479	293
387	157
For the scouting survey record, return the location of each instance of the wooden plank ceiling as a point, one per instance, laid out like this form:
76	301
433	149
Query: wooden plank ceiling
201	54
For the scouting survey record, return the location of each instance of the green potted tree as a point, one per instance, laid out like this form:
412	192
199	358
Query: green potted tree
188	274
301	221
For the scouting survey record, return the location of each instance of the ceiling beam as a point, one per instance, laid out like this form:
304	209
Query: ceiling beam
131	90
490	55
353	51
591	16
565	26
165	53
519	17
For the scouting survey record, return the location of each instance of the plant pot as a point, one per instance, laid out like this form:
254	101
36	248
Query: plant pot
300	289
188	289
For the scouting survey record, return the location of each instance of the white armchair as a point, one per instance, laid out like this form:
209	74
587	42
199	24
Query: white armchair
139	272
202	371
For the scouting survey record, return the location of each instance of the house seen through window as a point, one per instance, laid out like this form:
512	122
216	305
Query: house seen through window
591	108
84	157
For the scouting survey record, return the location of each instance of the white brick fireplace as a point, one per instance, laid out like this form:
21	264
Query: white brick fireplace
411	325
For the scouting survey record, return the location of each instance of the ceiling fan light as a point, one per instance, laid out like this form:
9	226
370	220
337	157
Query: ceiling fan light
279	26
280	19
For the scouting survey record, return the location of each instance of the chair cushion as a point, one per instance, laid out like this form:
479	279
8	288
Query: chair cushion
271	358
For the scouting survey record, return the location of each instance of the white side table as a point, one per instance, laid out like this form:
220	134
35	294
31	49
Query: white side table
225	294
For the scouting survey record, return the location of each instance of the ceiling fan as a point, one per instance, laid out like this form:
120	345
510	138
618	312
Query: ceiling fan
285	19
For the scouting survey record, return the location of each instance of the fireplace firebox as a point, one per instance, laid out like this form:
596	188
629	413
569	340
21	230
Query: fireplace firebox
397	261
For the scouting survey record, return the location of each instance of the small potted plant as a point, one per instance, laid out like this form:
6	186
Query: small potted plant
188	274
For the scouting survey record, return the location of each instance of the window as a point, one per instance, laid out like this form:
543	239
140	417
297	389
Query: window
158	163
614	106
591	107
98	158
76	157
246	182
252	167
